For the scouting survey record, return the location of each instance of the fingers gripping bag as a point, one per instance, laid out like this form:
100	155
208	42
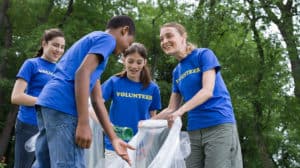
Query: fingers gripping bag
157	146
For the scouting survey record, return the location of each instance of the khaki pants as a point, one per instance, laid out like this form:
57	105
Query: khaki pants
215	147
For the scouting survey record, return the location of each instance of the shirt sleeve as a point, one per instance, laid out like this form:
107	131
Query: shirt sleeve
156	100
107	89
174	83
208	60
26	71
103	45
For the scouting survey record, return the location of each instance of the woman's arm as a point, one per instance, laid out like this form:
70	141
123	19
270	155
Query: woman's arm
174	103
208	84
19	96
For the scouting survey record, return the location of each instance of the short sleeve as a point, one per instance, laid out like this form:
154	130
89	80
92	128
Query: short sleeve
107	89
174	83
103	45
156	100
208	60
26	71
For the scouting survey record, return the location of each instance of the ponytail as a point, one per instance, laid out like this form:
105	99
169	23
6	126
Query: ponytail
190	47
40	52
145	77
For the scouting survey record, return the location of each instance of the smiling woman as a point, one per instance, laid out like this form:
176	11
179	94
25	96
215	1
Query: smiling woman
198	82
31	78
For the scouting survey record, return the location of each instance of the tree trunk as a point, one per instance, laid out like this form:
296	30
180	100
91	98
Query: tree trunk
67	14
44	19
6	33
6	42
206	25
265	156
285	25
7	130
154	43
3	11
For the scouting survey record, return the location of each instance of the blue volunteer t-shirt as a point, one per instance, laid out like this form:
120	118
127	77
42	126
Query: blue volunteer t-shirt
59	93
187	81
130	103
36	72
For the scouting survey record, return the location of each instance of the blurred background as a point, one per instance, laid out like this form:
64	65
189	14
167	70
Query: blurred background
257	43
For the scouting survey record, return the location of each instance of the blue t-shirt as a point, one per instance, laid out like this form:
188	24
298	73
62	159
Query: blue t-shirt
59	93
130	102
36	72
187	81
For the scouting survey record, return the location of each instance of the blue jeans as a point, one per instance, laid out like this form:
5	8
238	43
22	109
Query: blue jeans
55	146
23	159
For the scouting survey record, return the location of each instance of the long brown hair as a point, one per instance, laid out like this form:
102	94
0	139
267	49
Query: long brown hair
48	35
181	30
145	76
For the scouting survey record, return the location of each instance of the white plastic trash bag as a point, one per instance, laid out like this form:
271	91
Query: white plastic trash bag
30	143
157	146
94	156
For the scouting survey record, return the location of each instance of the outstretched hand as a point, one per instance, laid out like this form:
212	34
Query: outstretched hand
121	149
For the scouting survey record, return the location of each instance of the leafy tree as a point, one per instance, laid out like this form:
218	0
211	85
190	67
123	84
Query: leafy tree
254	66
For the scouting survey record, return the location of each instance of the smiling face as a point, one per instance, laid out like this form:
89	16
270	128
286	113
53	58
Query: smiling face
134	64
172	42
53	49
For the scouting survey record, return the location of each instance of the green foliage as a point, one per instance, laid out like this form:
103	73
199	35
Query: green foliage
253	81
2	165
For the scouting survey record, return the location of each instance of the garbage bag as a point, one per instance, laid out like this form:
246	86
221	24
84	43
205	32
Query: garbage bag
94	156
30	143
157	146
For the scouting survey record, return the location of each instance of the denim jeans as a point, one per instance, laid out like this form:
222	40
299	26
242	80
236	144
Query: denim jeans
23	159
55	146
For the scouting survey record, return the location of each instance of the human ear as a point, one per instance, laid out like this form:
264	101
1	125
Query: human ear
124	30
184	35
44	43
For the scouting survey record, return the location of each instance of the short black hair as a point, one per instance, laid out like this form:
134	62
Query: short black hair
121	21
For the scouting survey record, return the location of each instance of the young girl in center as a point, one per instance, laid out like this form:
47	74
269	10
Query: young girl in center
134	95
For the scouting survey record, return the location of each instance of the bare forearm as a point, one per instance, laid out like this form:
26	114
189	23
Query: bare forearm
164	113
18	95
202	96
23	99
81	94
208	83
103	117
174	103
